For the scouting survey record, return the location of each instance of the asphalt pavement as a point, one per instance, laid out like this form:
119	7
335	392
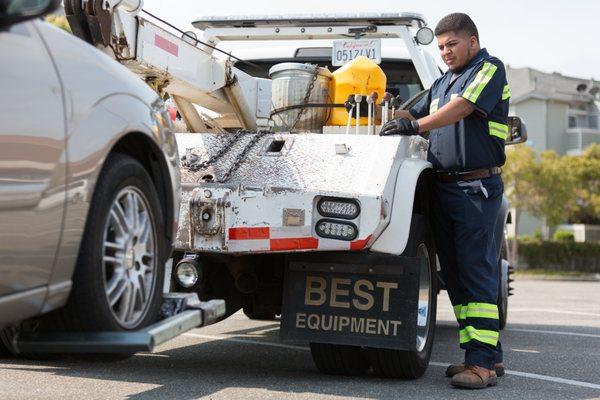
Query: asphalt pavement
552	351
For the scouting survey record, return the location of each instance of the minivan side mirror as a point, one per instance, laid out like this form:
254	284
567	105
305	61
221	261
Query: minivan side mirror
14	11
517	131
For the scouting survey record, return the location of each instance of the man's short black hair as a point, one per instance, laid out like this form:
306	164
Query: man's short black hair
457	22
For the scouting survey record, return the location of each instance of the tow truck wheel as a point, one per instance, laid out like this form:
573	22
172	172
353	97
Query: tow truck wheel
118	279
389	363
260	313
6	348
337	359
503	284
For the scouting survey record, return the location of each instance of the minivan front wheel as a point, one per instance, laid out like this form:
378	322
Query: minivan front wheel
119	275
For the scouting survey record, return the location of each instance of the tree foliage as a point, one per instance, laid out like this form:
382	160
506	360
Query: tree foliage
552	187
519	175
59	21
586	200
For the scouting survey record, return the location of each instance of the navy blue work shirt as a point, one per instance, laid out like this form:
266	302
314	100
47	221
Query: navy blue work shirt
476	141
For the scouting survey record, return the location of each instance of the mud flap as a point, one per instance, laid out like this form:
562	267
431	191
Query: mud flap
358	299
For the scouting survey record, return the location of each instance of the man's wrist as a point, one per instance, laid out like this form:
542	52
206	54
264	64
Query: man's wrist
415	125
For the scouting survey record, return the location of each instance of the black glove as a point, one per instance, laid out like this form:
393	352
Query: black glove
400	126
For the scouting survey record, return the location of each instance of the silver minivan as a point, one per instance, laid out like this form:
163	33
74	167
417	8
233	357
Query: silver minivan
89	183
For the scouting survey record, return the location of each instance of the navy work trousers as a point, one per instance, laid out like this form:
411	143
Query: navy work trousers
464	216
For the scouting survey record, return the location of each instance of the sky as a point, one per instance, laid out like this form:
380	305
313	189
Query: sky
549	35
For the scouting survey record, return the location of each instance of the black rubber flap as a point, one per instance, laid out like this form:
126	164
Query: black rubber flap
360	299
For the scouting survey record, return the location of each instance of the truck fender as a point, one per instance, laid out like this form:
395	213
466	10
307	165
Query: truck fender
394	237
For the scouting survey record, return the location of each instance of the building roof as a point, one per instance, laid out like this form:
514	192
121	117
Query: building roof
528	83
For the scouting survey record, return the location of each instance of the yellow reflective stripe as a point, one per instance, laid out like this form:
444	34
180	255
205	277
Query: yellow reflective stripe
482	310
478	79
463	336
481	80
481	335
457	309
434	105
485	306
499	130
460	311
506	93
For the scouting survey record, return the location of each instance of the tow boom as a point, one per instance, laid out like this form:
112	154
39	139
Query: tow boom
172	64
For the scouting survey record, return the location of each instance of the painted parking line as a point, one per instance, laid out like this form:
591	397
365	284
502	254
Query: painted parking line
553	332
236	340
536	376
510	329
554	311
434	363
525	351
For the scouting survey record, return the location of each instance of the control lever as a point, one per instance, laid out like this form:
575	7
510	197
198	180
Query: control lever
371	101
396	103
357	100
385	104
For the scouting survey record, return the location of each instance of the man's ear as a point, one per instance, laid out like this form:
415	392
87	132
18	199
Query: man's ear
473	42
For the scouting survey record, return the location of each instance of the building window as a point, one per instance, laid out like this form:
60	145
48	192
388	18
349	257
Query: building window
572	121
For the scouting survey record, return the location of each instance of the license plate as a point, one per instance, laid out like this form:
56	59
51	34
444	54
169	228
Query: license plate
347	50
360	304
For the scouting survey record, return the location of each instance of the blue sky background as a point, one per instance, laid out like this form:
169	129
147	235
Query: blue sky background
549	35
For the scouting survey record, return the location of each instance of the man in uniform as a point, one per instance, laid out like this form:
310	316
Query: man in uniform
465	113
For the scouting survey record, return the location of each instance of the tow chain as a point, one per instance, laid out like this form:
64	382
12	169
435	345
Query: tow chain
190	161
238	160
309	90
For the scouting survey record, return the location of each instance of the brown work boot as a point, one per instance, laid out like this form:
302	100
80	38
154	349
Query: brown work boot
475	377
458	368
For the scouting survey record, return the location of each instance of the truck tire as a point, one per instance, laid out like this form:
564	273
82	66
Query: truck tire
338	359
5	346
8	348
503	284
390	363
117	284
260	313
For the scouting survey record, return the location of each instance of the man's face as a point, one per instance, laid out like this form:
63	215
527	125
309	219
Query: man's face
457	49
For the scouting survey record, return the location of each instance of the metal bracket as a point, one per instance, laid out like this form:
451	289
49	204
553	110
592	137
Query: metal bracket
357	32
188	313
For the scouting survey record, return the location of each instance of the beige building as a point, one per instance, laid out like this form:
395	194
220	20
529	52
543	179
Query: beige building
561	113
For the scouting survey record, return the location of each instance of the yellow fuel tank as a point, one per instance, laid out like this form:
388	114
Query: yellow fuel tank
359	76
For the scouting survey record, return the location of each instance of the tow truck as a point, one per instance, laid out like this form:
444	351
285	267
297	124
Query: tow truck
327	226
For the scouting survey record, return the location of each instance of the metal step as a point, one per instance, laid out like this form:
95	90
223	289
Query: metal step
195	314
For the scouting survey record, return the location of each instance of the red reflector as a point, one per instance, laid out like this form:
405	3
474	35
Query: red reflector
294	243
359	244
248	233
166	45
